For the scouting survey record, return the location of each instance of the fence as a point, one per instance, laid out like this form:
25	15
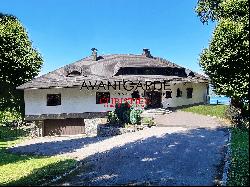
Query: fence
219	100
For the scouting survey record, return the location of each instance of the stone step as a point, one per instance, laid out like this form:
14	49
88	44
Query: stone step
154	112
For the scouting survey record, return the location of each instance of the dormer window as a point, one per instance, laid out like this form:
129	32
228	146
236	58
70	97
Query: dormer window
74	73
176	72
191	74
73	70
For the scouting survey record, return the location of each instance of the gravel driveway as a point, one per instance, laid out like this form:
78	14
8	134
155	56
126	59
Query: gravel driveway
165	155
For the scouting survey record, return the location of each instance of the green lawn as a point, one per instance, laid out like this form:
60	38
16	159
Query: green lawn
29	170
212	110
239	170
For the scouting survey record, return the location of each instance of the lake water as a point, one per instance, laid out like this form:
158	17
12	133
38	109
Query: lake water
220	100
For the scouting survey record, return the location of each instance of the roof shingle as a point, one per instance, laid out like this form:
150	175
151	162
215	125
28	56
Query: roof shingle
105	68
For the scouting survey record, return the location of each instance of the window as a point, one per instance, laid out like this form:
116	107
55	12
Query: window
176	71
189	92
179	92
191	74
74	73
168	94
142	71
53	99
102	97
135	94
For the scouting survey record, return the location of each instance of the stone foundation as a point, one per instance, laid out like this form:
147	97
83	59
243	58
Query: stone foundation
85	115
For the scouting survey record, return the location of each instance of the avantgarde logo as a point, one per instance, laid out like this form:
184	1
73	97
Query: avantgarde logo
126	85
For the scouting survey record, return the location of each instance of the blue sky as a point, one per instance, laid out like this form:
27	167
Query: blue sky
65	30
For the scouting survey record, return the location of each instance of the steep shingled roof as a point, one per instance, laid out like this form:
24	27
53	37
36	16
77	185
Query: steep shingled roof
105	69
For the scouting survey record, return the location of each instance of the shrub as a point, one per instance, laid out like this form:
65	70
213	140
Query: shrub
236	117
148	121
112	118
233	114
135	116
7	132
123	112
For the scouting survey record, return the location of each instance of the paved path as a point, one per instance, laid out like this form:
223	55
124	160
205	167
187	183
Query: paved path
162	155
186	119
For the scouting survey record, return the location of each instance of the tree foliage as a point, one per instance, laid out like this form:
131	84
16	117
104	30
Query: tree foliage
19	62
226	60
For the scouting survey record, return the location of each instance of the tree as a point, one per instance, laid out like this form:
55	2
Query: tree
226	60
19	62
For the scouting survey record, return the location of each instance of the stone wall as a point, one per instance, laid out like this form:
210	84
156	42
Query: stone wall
35	128
91	125
104	130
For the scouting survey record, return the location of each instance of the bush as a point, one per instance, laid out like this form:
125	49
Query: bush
123	112
7	132
7	117
233	114
112	118
135	116
148	121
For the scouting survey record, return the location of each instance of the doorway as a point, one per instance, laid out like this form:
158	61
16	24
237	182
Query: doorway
153	99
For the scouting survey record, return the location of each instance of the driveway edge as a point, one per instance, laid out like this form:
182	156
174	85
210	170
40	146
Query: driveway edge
227	160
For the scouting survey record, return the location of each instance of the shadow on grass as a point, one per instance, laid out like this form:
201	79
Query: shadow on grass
51	148
38	176
44	174
6	158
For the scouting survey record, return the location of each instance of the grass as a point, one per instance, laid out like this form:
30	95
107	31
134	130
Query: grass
29	170
239	169
212	110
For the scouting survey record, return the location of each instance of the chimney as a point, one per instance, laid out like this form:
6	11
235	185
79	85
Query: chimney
146	53
94	53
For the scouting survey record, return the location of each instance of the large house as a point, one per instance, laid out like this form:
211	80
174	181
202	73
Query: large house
63	99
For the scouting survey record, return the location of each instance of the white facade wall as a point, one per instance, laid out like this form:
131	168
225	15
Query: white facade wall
74	100
199	95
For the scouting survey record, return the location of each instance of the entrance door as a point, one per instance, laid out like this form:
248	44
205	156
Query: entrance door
154	99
